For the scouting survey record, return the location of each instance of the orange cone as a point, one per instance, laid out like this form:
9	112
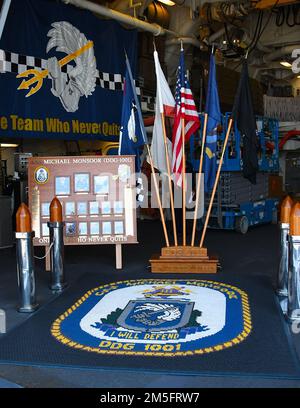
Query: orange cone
23	219
56	210
285	210
295	220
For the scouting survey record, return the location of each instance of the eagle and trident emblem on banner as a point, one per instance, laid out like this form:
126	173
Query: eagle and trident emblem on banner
79	80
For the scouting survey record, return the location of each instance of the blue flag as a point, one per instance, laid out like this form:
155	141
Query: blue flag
212	108
132	133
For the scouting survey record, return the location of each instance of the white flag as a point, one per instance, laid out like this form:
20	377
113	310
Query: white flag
165	103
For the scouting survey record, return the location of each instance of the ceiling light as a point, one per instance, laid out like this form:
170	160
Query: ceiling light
167	2
8	145
285	64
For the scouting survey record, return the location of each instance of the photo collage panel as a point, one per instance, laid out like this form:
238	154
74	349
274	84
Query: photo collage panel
81	215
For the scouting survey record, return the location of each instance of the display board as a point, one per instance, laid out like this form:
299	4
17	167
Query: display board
97	195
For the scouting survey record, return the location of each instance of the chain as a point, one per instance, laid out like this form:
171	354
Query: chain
46	254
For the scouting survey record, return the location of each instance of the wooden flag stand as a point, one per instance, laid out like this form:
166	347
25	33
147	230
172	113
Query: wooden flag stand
190	258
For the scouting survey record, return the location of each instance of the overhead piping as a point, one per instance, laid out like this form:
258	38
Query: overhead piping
279	53
216	35
3	14
155	29
184	40
274	65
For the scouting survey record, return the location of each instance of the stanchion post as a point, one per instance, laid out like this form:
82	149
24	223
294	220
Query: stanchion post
293	307
283	270
2	321
25	260
56	229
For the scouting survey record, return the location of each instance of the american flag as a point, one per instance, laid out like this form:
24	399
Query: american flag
185	109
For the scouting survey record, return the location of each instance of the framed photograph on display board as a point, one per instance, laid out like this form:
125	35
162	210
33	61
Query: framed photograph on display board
118	207
92	190
101	185
70	229
82	228
81	182
119	229
45	209
70	208
45	229
106	228
82	208
105	207
94	208
62	186
94	228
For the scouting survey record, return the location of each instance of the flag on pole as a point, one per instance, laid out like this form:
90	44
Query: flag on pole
212	108
243	114
185	109
165	104
132	133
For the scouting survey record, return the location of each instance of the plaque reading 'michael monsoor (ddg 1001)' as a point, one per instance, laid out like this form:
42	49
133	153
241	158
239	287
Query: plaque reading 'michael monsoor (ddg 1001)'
97	194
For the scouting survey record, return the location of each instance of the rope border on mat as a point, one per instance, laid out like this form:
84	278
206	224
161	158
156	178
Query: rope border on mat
56	333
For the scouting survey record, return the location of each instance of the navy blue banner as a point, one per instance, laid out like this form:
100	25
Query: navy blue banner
68	65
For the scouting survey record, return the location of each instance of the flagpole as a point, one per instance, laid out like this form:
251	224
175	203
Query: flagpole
169	179
216	183
199	179
159	101
158	197
183	184
148	150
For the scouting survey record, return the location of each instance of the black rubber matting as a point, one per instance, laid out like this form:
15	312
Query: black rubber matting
266	352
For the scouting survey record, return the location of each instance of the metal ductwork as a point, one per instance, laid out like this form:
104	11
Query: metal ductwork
222	11
157	13
271	66
216	36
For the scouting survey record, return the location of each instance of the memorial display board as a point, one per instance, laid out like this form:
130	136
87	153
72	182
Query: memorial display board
97	194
